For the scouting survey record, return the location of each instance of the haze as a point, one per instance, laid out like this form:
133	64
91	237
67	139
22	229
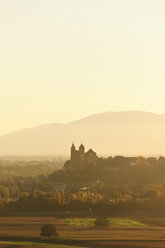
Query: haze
62	60
127	133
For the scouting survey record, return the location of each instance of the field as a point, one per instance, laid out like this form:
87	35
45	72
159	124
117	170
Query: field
81	232
91	221
31	245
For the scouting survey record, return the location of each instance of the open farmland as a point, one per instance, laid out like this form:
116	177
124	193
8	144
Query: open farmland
121	232
32	244
91	221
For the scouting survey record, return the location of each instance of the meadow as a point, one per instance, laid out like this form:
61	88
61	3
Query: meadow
81	232
91	222
32	244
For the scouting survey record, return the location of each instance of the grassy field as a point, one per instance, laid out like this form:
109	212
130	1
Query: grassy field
91	221
33	244
121	232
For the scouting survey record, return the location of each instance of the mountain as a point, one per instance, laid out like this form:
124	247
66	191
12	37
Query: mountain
110	133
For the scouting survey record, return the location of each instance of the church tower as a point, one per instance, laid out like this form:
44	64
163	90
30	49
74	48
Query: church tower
79	158
73	149
82	151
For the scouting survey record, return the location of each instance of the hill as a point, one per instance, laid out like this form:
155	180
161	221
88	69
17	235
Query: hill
127	133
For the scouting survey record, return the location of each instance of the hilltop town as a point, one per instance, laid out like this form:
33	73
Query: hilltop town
79	159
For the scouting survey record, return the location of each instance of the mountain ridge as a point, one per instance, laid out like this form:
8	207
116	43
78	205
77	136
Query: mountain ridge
124	132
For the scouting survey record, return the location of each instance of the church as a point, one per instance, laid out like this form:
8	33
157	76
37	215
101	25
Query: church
79	158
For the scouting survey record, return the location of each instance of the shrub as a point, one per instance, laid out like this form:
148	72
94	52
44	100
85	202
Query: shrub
101	222
48	230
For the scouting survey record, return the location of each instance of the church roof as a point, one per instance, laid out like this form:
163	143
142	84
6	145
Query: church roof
90	151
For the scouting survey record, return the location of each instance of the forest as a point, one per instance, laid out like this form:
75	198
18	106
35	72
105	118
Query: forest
113	184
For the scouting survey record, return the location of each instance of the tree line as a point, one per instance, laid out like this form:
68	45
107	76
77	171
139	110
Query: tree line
98	197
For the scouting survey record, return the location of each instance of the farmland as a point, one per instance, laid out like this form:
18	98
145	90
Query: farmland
31	245
81	232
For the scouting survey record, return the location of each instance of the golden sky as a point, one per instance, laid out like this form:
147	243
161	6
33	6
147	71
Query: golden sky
62	60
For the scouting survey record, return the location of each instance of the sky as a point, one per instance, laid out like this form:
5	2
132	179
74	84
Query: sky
63	60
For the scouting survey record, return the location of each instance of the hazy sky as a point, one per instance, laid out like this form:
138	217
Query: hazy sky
61	60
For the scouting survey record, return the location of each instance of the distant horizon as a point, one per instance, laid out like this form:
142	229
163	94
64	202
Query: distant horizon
127	133
80	118
66	156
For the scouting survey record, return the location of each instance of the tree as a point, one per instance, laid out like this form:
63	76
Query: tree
140	160
48	230
152	194
101	222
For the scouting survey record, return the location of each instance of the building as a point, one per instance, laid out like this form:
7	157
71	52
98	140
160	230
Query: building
80	158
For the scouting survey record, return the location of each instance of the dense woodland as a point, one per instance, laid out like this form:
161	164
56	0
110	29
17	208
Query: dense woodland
112	184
